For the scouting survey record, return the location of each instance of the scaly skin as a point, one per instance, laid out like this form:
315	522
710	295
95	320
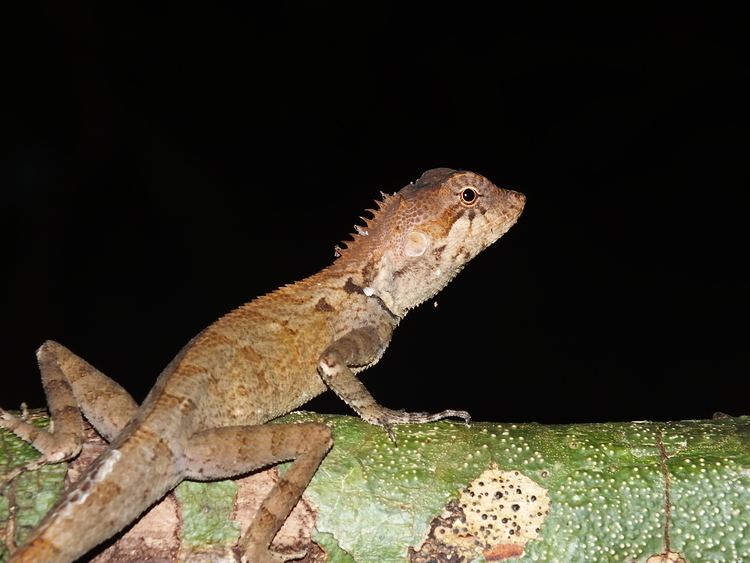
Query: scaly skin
204	418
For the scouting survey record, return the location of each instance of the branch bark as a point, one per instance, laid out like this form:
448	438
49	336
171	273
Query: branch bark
636	491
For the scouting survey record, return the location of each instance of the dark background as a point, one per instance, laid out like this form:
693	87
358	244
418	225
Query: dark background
161	166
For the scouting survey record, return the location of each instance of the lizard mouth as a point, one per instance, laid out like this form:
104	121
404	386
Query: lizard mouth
517	201
512	208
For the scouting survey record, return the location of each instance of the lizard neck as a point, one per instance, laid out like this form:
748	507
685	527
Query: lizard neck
372	276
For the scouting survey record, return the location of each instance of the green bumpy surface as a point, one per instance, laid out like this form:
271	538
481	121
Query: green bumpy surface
33	494
607	485
618	492
206	513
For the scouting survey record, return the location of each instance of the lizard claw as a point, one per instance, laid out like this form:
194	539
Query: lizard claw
465	416
388	427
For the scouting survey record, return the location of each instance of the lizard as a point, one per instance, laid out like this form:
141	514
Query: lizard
205	417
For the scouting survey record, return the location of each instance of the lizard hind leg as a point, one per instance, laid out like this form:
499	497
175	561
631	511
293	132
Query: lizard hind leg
72	386
225	452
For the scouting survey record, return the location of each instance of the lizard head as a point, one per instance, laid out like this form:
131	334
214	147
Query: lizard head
424	234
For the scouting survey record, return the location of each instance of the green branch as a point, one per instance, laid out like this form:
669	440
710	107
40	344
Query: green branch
635	491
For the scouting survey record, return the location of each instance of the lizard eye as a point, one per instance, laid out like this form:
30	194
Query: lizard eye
469	196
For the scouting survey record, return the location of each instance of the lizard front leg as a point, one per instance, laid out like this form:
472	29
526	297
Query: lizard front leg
221	453
72	386
360	347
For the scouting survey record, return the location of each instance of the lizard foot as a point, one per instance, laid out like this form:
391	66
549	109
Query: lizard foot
10	422
387	418
33	465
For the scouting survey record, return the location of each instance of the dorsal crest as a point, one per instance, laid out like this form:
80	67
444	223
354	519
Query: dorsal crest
380	219
373	225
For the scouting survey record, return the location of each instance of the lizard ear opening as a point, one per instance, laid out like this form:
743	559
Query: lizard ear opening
416	244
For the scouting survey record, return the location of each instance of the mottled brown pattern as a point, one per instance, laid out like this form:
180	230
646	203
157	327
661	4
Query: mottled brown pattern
56	386
350	287
323	306
204	417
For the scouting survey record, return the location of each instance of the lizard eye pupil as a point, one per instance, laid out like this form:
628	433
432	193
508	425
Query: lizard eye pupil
469	196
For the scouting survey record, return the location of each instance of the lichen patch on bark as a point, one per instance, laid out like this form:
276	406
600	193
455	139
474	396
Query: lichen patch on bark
666	557
495	516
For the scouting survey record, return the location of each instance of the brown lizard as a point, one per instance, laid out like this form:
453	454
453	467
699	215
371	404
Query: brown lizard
204	418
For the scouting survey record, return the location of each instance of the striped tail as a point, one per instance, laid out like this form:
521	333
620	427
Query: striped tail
121	484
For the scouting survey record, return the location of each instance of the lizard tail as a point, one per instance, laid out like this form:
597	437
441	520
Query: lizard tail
107	497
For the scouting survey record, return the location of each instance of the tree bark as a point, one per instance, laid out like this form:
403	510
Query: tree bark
638	491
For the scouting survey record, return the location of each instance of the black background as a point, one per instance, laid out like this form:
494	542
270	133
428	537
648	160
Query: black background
163	165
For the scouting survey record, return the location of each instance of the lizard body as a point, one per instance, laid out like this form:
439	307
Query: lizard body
204	418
